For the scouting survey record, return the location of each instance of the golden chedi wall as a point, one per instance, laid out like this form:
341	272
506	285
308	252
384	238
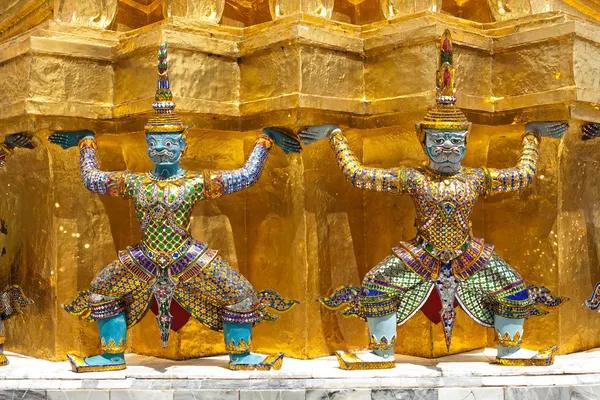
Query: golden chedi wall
239	65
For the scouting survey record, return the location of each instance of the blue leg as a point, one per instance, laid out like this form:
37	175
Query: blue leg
509	335
238	341
382	331
379	309
113	338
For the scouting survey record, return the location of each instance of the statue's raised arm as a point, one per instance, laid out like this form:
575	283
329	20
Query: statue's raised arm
522	175
94	179
220	182
374	179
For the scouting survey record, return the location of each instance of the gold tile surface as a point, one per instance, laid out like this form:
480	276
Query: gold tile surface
302	230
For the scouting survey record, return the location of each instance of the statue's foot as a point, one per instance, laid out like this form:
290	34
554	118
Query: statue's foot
3	360
525	357
363	360
260	362
97	363
522	354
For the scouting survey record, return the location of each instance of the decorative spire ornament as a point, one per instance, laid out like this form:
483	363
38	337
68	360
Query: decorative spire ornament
444	114
164	119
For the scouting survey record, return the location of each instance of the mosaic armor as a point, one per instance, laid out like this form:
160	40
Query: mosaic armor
443	255
169	263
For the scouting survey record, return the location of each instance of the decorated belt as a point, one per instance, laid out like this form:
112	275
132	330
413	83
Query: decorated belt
425	260
443	254
166	257
146	265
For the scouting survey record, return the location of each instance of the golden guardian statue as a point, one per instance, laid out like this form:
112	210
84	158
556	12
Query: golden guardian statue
169	268
444	266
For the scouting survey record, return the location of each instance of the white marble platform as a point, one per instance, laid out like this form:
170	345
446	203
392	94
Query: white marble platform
465	376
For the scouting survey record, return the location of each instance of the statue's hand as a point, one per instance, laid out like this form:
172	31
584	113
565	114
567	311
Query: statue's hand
554	130
590	131
312	134
284	138
66	140
21	139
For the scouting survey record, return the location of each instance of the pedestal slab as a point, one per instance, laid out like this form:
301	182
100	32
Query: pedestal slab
469	375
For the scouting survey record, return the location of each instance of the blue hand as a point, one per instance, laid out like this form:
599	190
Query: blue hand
554	130
313	134
66	140
283	138
590	131
21	139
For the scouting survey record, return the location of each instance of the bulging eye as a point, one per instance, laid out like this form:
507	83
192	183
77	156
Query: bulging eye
168	144
456	141
439	141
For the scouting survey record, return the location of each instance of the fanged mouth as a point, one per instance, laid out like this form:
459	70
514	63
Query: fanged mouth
161	156
446	155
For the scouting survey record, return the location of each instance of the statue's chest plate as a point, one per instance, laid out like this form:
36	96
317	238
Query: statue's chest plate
447	198
161	199
164	208
444	209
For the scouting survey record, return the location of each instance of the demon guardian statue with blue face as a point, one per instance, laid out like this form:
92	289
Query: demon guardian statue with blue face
169	267
443	266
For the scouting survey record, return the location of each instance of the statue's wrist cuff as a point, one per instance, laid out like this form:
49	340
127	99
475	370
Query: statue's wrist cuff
266	141
336	131
87	142
535	134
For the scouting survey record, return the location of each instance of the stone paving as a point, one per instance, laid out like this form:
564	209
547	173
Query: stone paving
464	376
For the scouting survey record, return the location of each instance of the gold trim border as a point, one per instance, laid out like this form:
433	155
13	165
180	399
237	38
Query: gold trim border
506	340
544	358
351	362
79	365
240	348
272	362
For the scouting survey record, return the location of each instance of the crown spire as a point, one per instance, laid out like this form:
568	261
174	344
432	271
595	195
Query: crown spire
444	114
445	74
164	119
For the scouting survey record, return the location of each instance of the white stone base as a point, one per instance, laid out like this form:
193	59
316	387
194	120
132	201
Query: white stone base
464	376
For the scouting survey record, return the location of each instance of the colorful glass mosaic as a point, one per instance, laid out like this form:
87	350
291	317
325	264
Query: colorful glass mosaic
444	256
169	264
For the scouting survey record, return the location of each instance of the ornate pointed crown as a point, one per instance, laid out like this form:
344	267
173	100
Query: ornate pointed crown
164	119
444	114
